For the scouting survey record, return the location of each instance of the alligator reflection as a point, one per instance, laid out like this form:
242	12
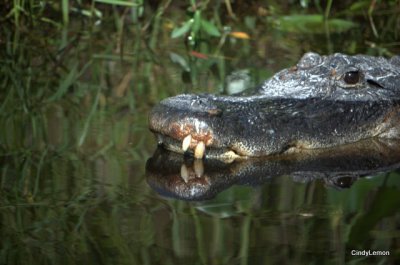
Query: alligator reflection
174	175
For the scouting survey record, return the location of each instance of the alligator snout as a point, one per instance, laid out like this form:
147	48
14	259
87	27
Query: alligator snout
183	124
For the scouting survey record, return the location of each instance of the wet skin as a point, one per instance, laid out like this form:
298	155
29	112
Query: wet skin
322	102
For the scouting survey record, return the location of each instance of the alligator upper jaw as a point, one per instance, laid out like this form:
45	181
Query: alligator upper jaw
187	124
221	127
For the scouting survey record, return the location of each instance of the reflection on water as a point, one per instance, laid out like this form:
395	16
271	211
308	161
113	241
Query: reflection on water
178	176
323	203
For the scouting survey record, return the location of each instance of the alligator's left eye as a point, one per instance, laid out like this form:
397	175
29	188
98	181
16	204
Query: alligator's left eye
352	77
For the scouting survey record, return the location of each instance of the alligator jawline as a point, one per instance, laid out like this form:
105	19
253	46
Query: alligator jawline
226	155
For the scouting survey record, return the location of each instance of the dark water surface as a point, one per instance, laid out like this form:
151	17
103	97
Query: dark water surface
74	147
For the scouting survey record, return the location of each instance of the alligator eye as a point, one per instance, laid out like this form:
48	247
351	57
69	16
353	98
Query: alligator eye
344	182
352	77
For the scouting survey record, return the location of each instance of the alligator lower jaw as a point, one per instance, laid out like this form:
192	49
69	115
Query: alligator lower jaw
199	151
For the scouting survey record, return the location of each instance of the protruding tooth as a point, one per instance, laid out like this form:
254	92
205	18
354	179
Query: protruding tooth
199	151
184	173
198	168
186	142
159	139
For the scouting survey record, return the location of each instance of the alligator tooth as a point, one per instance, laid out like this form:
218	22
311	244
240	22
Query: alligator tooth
184	173
186	142
198	168
199	151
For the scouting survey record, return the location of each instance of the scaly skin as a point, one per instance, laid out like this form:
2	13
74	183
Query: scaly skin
323	101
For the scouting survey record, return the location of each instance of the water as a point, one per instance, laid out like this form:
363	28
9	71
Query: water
74	146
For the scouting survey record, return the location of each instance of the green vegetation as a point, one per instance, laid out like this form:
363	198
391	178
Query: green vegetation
77	81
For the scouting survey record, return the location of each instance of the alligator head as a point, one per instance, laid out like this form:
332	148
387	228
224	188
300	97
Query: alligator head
323	101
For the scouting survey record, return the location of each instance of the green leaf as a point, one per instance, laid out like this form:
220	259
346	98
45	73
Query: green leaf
66	83
177	32
340	25
312	24
176	58
360	5
118	2
196	22
210	28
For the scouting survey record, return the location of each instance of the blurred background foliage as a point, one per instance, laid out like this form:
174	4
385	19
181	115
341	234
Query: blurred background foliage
77	81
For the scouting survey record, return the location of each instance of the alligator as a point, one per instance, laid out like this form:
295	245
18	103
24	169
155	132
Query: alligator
321	102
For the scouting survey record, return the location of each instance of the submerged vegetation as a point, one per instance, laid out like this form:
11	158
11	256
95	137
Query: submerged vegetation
77	80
